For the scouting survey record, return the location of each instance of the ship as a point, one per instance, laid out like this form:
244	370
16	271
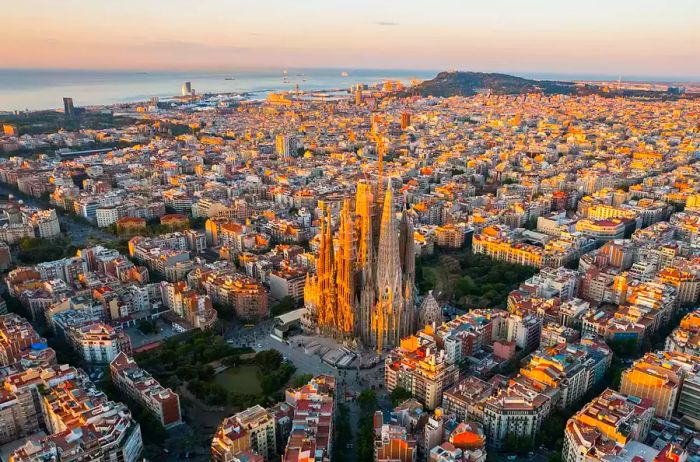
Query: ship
344	74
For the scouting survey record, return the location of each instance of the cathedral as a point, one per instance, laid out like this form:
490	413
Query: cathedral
363	288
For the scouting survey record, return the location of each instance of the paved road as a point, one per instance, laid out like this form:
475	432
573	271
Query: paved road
305	364
258	338
138	339
81	233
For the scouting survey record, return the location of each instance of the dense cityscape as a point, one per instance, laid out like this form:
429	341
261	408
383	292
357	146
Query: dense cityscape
320	231
358	275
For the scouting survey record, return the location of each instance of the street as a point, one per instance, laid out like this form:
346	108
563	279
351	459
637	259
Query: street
259	339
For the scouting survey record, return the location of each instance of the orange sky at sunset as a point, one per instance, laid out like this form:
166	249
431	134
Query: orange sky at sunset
627	37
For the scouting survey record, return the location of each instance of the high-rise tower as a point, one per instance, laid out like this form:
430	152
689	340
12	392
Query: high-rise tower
68	107
405	120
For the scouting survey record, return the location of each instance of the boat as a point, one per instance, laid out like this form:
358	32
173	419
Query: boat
344	74
229	78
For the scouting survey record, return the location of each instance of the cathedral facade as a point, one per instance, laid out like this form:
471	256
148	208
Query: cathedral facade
363	288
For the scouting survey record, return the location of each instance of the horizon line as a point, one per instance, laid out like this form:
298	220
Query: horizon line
545	75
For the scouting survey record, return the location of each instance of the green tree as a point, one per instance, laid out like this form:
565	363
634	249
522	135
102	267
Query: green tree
146	327
343	434
285	305
367	400
399	395
268	360
225	311
365	439
301	380
514	443
625	348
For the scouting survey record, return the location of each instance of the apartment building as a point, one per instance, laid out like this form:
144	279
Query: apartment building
140	386
659	378
421	368
98	343
251	429
605	426
72	410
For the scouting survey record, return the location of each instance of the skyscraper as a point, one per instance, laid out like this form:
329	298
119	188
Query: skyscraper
285	145
68	108
405	120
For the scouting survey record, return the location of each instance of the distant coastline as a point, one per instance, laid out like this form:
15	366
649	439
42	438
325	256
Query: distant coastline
38	89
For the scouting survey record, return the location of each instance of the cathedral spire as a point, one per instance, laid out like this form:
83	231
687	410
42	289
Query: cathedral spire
380	184
363	210
344	265
389	279
364	202
326	272
380	167
408	269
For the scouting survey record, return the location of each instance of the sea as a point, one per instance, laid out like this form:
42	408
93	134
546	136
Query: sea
38	89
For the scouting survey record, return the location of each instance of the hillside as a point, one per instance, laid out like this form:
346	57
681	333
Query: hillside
470	83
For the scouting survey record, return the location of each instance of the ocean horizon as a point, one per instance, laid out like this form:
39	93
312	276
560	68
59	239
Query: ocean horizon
44	89
39	89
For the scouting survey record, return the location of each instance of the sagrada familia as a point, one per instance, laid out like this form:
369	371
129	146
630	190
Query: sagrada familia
363	288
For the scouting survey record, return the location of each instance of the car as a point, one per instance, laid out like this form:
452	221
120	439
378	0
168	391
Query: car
511	457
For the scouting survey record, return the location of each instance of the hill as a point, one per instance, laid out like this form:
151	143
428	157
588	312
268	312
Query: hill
470	83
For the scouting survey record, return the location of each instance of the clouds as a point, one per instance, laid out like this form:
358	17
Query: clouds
641	37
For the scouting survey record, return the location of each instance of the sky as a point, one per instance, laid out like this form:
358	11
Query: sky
628	37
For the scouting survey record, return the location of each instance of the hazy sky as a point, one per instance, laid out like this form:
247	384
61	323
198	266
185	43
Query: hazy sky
629	37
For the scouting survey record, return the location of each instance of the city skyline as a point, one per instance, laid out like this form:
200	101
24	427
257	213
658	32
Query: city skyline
316	231
629	38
